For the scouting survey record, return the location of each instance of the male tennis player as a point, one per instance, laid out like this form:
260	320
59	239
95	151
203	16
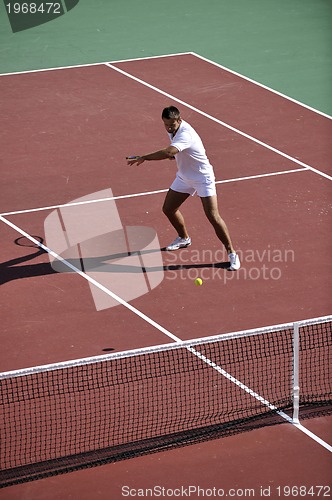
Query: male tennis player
195	174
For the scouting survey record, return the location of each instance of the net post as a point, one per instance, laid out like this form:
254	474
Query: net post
296	387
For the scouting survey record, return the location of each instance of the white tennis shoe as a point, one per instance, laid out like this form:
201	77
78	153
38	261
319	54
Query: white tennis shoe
234	262
179	243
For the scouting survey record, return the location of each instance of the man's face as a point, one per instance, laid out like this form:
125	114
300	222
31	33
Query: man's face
172	125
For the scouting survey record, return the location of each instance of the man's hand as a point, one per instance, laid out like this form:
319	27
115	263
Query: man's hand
131	160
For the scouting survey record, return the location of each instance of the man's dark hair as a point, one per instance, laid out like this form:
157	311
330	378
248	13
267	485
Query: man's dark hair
171	113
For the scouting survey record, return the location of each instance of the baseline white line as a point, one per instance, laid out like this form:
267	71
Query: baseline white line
145	193
216	120
255	82
43	70
163	330
87	65
146	58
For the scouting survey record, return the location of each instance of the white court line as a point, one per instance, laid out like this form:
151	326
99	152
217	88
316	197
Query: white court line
216	120
259	176
101	63
280	94
91	280
168	334
147	58
259	398
146	193
43	70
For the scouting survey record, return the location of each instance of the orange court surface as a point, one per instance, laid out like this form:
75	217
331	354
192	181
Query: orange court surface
68	184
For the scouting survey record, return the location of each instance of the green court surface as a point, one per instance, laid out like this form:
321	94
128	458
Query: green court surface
283	44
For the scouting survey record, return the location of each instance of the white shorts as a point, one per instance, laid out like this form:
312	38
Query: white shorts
205	187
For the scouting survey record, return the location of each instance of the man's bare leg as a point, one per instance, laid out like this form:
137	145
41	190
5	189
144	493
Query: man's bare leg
211	210
171	206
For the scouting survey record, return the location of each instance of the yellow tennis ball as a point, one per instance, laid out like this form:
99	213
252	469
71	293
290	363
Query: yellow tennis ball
198	282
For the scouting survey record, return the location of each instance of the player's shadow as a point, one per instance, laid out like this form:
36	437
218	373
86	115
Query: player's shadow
21	267
14	270
179	267
117	263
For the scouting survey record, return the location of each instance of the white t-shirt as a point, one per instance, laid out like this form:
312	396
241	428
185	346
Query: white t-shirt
191	159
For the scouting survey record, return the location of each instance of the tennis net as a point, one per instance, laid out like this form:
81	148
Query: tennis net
61	417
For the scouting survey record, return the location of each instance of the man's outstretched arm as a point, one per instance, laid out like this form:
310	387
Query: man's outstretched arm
162	154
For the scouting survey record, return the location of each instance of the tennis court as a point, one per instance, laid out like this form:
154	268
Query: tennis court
84	275
69	189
